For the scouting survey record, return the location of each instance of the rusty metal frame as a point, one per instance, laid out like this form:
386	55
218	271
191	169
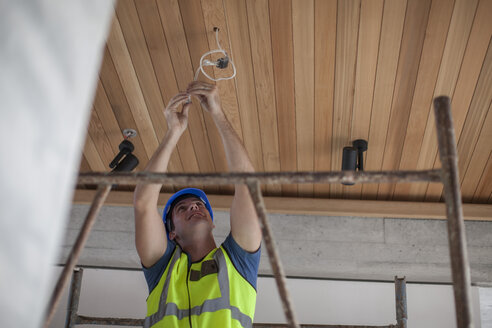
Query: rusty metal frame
448	175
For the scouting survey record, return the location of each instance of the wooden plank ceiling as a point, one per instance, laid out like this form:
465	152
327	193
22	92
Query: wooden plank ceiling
312	75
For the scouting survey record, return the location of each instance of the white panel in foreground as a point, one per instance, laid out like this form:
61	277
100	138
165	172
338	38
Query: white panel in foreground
50	55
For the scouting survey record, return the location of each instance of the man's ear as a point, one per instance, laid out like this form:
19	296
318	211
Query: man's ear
172	235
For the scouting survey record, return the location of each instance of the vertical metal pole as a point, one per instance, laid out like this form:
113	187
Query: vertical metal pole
456	227
401	302
73	298
278	271
97	203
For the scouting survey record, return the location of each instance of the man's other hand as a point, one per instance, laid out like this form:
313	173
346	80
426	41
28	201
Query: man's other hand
207	94
177	121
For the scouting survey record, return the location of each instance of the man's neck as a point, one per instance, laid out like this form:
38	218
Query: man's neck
198	249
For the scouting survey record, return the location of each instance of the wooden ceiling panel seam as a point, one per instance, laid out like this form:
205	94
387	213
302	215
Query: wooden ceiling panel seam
452	59
196	37
476	114
483	25
114	92
100	138
345	68
303	46
136	44
478	161
324	60
236	19
92	155
394	15
413	37
197	43
84	165
161	62
434	44
145	9
214	16
103	108
127	76
180	56
484	187
371	16
283	71
261	54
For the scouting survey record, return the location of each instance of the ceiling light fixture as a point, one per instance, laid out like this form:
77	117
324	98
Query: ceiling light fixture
353	158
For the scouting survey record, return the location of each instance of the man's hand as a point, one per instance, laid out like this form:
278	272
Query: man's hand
207	94
177	121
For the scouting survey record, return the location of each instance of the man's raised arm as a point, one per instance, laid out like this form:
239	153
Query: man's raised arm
245	227
150	233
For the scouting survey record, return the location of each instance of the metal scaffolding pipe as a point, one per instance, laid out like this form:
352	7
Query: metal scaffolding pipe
401	302
278	271
74	297
126	178
456	228
73	257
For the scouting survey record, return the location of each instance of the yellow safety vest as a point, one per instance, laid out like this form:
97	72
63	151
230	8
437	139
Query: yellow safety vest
210	293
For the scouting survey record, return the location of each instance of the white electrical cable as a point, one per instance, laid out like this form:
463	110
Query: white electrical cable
205	62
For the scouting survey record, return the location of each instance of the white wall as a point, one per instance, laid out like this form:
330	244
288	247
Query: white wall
121	293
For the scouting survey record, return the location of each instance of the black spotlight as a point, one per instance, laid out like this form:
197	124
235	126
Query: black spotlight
353	159
125	161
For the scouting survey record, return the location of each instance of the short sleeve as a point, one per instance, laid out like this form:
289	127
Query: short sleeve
246	263
155	272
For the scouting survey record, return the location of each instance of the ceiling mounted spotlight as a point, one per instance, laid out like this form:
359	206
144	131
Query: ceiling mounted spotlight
353	159
125	161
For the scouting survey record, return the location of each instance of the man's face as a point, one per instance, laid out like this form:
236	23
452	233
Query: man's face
190	216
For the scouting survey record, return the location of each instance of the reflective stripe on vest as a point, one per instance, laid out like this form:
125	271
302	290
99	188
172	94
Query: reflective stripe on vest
210	305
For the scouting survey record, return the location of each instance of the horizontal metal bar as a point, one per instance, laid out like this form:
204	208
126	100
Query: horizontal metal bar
262	177
266	325
83	320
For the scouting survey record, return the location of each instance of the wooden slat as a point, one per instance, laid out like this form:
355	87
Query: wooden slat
180	56
312	206
346	52
435	38
92	156
476	50
84	165
411	48
214	16
237	23
160	60
129	82
283	69
475	124
101	141
135	41
196	34
371	14
325	25
459	30
261	54
389	49
119	105
303	40
478	161
484	187
109	123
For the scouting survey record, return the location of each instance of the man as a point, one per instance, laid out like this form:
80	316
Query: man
192	283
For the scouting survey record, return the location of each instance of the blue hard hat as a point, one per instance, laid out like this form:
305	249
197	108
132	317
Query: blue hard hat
183	193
